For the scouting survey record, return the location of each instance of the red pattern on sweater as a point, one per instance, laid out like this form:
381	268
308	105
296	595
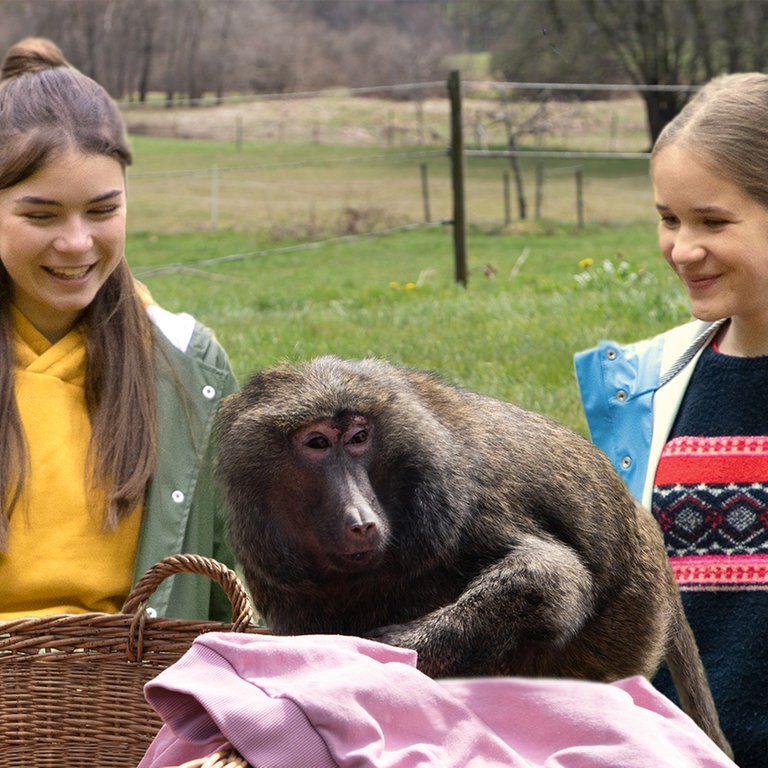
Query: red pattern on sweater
713	460
711	501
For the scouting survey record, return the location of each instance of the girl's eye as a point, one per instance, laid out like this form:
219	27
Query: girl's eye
103	211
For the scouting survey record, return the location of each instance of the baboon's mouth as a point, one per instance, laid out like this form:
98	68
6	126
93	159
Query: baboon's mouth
353	561
360	556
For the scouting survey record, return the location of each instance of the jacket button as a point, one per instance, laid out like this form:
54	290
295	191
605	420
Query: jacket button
621	395
178	496
610	354
626	462
209	392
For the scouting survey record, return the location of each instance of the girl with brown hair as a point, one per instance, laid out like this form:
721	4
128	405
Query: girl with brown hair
106	400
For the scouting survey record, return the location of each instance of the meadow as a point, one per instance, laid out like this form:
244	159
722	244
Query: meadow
532	300
310	166
323	247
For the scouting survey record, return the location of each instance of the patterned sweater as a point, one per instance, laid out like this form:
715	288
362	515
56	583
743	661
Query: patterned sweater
711	501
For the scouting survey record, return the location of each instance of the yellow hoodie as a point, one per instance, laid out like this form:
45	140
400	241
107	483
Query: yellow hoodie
60	558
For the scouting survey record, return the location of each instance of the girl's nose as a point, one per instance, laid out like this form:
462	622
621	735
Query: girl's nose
687	247
74	237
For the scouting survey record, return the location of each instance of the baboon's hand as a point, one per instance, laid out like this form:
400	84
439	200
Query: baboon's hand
438	643
540	594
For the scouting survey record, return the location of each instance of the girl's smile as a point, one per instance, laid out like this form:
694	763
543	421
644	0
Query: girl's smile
62	233
715	238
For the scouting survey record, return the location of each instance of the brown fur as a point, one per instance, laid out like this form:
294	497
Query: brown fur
374	500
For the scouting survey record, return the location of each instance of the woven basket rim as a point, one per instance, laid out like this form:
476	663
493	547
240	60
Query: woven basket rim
71	685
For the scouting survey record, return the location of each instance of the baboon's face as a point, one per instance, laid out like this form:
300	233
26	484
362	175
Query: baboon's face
327	505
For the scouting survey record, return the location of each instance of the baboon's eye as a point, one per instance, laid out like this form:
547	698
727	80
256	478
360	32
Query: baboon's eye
359	437
319	442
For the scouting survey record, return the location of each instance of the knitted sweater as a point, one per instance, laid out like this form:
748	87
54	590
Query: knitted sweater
711	501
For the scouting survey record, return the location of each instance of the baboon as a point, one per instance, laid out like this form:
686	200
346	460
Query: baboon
376	500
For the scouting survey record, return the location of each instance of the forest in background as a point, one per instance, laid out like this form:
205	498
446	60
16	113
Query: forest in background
183	50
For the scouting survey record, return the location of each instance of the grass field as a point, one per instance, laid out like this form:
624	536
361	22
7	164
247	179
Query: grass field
531	302
420	117
305	190
276	268
327	164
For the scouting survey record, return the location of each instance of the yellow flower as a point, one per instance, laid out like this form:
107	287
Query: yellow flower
394	284
584	263
409	286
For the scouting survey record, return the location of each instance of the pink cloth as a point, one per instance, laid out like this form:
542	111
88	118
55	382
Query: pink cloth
325	701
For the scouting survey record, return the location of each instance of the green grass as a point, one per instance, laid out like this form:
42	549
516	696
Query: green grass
314	190
511	333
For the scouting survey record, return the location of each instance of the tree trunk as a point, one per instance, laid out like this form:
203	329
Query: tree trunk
661	107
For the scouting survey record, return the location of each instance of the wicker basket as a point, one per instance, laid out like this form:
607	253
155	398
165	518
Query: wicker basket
71	686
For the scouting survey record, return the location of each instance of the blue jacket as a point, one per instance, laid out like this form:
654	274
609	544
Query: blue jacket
631	394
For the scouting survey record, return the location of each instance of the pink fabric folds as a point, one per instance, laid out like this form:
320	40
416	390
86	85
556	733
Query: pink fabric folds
327	701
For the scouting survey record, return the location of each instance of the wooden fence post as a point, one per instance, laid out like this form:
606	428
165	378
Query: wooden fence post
425	193
579	197
214	197
539	189
507	199
518	171
457	176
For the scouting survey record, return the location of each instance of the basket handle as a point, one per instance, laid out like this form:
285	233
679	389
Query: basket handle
242	612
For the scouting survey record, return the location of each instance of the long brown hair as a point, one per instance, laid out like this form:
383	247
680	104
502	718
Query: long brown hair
47	106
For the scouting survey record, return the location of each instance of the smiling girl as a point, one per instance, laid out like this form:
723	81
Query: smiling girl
106	400
684	416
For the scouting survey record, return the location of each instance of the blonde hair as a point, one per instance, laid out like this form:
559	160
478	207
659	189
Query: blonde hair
726	123
46	107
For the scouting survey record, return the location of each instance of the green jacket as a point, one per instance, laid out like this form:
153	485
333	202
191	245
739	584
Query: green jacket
183	512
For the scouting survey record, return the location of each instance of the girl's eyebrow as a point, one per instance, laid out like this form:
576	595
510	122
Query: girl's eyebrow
702	209
38	200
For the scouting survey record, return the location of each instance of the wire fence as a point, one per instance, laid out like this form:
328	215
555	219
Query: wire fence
341	163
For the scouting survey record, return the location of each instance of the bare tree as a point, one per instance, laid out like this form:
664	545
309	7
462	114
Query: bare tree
677	43
733	39
480	25
186	48
221	57
653	44
144	23
673	44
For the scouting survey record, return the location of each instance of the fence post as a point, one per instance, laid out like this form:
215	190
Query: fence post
214	197
580	197
507	200
457	177
518	171
425	193
539	189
